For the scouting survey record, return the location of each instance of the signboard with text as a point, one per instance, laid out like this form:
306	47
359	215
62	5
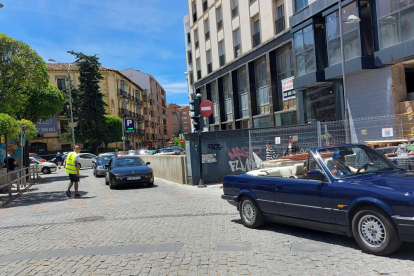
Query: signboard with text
129	126
287	84
47	126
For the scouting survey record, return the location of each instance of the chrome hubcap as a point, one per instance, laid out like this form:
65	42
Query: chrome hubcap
248	211
372	231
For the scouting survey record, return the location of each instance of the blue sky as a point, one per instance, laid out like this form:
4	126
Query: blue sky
143	35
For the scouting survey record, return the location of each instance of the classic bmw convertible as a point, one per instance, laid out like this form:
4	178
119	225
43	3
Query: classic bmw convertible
348	189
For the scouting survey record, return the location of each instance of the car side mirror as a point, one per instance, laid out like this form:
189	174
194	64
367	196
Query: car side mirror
93	162
315	175
106	166
147	163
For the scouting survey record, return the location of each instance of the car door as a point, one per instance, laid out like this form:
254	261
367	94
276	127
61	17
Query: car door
85	160
308	199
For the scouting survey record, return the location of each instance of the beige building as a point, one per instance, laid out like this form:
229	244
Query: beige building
122	96
237	61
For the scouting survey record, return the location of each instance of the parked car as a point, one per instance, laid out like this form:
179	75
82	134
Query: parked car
99	165
43	167
165	151
85	160
34	155
176	149
53	160
132	152
351	190
128	170
144	152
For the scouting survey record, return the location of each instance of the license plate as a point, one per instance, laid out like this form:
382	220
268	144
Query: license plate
134	178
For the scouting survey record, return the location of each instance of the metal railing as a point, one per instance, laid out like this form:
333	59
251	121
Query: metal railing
19	177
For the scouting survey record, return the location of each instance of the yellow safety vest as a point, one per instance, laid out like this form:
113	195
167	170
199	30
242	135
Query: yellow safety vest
70	163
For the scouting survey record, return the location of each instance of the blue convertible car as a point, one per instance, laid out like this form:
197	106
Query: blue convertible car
348	189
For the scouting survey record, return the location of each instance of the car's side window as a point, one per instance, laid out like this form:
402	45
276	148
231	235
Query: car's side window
312	164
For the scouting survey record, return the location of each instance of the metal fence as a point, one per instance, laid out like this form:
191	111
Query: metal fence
381	133
18	177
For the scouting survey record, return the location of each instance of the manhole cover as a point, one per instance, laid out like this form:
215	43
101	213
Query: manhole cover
90	218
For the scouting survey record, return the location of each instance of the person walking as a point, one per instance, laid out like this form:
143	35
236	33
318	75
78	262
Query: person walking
72	168
59	159
292	147
270	153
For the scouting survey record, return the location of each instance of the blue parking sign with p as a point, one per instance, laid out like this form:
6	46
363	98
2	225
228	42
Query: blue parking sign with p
129	126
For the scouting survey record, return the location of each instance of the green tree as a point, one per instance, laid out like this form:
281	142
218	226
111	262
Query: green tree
113	126
21	69
8	128
177	141
31	130
88	104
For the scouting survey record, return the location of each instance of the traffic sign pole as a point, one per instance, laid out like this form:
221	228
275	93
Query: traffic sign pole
123	135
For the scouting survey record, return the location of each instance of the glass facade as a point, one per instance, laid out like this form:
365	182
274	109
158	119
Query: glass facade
215	101
228	100
286	118
300	4
320	104
262	122
396	21
350	33
304	48
262	91
243	92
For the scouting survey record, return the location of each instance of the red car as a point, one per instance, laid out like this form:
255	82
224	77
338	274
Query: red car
34	155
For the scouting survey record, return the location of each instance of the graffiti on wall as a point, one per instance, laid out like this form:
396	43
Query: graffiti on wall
214	146
240	159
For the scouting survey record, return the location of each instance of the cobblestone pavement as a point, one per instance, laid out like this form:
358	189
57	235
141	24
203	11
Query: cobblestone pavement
169	229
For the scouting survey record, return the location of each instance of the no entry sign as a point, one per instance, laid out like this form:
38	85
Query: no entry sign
206	108
182	141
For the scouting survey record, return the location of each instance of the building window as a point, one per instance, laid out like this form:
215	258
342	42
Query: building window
207	29
123	86
243	92
280	21
209	62
194	13
222	53
205	5
219	18
351	36
285	69
138	94
190	58
61	84
196	42
304	51
198	64
320	104
300	4
234	8
262	91
228	99
215	100
256	31
188	38
236	42
367	28
392	20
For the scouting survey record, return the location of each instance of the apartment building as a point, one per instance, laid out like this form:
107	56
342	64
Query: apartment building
122	96
154	108
178	120
241	53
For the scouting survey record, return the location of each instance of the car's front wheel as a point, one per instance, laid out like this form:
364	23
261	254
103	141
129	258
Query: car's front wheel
112	184
45	170
250	213
375	232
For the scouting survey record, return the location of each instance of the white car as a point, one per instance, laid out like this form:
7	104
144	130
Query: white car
43	167
166	152
86	160
132	152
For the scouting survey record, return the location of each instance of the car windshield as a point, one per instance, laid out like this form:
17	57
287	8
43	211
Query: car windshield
36	157
346	161
136	161
166	150
175	148
104	159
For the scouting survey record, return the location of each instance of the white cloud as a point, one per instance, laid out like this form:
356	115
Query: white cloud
174	88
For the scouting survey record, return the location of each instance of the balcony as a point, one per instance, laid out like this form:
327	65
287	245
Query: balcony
256	39
128	96
119	92
138	101
124	94
280	24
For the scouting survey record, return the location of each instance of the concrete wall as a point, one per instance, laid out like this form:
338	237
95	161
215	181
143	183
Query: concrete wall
370	94
168	167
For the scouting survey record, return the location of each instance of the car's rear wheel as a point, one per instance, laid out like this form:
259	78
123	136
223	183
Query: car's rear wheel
375	232
106	181
250	213
45	170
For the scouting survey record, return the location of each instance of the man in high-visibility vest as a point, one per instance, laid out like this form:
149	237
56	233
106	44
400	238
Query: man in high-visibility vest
72	168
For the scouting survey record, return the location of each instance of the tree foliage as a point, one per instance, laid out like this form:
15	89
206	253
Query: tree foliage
43	104
87	101
177	141
8	127
21	68
31	131
113	127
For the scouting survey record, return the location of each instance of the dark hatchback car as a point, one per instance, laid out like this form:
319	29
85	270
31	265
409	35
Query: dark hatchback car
128	170
99	164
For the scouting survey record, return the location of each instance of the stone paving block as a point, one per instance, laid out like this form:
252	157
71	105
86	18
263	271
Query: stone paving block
165	247
233	246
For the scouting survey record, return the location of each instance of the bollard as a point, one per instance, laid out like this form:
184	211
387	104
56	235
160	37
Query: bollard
19	180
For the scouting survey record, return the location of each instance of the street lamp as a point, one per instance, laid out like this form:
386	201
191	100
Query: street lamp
351	19
70	96
1	5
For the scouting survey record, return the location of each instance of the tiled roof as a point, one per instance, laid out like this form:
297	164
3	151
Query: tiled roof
64	67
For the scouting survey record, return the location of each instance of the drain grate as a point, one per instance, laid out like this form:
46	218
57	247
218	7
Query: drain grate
95	218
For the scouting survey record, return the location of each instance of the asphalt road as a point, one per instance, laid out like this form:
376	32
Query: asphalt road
170	229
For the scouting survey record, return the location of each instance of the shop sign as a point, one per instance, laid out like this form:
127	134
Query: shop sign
47	126
148	144
287	84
